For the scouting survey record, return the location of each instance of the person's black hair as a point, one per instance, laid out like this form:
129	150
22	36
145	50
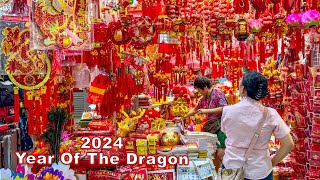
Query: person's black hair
201	82
255	84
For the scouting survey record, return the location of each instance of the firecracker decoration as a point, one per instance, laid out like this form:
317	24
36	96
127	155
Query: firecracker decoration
259	6
61	25
28	69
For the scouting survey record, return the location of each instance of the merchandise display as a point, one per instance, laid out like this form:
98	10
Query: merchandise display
135	64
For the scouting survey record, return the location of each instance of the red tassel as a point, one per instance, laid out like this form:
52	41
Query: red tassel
55	92
37	110
275	50
262	52
298	40
44	106
16	105
29	104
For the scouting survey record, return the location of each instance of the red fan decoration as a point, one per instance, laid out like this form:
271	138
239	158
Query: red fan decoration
141	32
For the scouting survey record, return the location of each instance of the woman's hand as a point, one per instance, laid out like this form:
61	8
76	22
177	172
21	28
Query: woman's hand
202	111
178	119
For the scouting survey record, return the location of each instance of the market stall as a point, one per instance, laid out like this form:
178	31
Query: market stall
136	62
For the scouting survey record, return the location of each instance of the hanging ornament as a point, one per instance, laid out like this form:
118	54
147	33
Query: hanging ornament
163	23
119	34
141	32
179	26
294	20
255	26
241	31
310	18
62	25
101	31
26	68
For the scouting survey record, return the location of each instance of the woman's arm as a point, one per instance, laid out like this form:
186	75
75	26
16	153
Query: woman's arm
285	148
211	111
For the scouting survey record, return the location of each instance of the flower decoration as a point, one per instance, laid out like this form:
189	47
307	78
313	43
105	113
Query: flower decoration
294	20
67	172
310	18
65	136
22	173
5	174
49	173
255	26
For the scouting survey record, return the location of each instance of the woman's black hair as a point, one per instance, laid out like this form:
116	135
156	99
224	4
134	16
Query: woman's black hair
201	82
256	85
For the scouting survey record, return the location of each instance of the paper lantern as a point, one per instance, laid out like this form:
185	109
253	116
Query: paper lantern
294	20
310	18
241	31
119	34
255	26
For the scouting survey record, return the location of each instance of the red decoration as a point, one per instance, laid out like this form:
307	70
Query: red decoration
119	34
141	32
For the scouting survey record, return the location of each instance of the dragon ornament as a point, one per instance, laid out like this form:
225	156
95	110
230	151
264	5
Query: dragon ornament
28	69
61	24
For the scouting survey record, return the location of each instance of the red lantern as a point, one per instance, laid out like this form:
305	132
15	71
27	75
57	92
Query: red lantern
119	34
241	31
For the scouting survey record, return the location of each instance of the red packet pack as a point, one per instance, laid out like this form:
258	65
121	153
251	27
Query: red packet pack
103	175
140	174
315	132
162	174
314	146
314	155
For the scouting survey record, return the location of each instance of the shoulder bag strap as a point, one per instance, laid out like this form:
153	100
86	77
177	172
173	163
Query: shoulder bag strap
257	133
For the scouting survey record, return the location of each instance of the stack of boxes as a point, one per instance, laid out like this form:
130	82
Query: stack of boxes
142	147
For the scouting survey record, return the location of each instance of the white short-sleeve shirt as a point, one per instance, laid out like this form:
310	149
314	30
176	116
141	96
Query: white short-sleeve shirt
239	122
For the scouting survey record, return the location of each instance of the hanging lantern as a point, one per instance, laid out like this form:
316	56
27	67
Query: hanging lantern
310	18
241	31
294	20
119	35
255	26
